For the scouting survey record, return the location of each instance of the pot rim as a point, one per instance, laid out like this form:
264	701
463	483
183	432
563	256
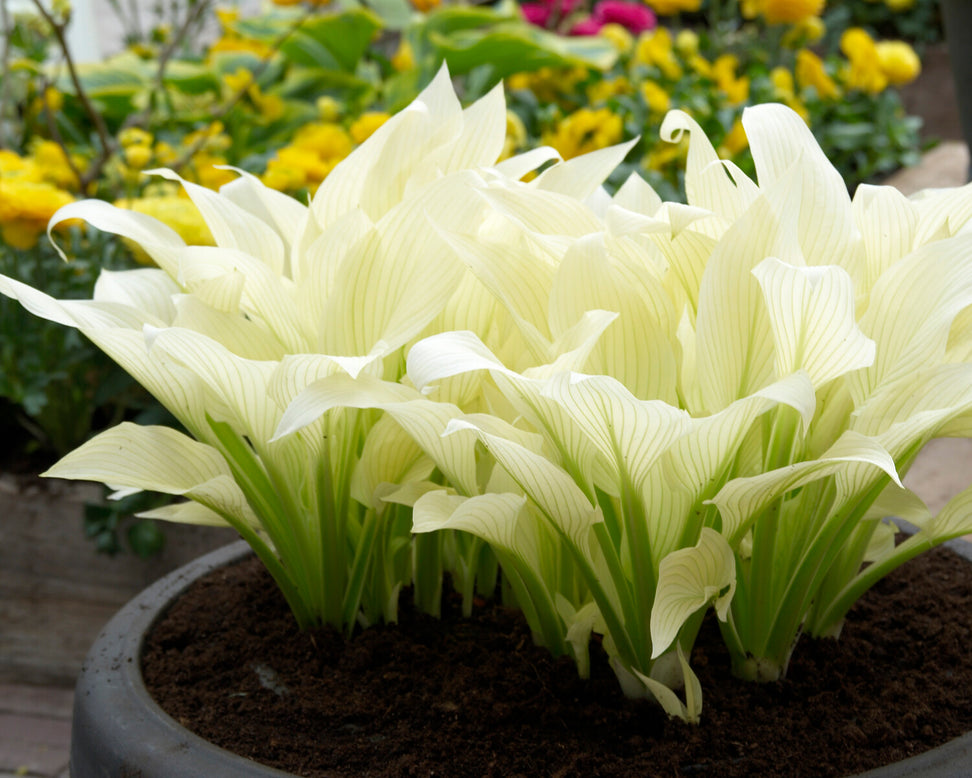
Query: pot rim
119	729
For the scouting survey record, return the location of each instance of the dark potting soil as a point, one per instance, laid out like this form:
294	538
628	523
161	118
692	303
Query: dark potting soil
476	698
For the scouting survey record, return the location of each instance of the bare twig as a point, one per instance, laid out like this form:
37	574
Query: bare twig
94	170
224	109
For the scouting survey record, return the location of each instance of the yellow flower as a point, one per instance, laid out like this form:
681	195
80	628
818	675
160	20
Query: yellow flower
328	108
282	177
603	90
898	62
864	72
206	174
687	43
810	72
26	207
585	130
670	7
655	48
286	2
13	166
134	136
326	139
177	212
137	157
618	36
314	166
734	142
363	127
789	11
516	135
735	88
164	154
53	164
404	58
899	5
664	154
425	5
655	97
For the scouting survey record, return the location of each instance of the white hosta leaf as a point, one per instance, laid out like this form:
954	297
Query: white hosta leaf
242	383
480	141
548	486
516	167
911	310
742	499
581	176
888	222
586	280
231	226
686	711
266	297
942	213
811	310
496	518
689	579
637	195
789	160
519	277
375	175
544	213
160	242
157	459
185	513
274	208
390	456
402	275
708	185
734	339
145	289
954	520
424	420
630	433
237	333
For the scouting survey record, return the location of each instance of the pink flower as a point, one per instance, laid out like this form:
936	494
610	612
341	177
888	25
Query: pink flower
542	12
632	15
588	26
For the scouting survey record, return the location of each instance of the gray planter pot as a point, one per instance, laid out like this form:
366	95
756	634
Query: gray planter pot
119	731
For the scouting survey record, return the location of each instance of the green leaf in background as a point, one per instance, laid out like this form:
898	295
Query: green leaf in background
191	78
512	47
335	41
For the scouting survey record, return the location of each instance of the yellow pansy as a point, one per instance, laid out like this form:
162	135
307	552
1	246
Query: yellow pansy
735	88
585	130
655	97
425	5
328	108
687	43
283	177
363	127
603	89
656	48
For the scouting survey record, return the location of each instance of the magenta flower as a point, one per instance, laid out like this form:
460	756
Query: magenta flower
634	16
588	26
542	12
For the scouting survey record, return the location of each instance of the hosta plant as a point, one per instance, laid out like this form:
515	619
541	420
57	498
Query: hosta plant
768	360
640	408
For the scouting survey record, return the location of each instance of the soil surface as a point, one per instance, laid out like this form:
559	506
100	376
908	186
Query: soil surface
476	697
